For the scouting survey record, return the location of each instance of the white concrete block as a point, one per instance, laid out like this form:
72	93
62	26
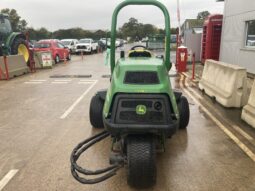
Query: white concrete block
16	65
226	82
248	113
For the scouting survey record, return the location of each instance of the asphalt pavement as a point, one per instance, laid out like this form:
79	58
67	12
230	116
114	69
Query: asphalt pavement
42	118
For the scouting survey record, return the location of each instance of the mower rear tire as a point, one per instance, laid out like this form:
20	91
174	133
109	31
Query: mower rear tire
184	112
96	111
141	159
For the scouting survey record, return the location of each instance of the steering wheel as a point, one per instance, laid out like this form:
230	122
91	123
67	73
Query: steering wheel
138	46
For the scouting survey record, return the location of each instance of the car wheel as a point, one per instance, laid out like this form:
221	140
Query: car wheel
57	59
69	56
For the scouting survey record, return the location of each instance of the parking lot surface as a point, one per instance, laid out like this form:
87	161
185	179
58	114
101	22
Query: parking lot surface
42	118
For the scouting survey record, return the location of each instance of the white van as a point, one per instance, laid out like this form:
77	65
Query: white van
71	44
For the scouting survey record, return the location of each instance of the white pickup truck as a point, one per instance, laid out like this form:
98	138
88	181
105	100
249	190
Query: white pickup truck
87	45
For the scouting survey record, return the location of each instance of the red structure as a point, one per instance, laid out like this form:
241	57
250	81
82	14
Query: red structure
211	37
182	57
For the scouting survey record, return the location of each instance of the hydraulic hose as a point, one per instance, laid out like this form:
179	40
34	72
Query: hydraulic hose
79	150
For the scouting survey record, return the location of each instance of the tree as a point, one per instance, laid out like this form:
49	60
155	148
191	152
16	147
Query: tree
17	23
131	28
203	14
42	33
135	30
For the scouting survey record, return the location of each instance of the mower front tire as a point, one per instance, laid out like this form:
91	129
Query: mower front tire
141	159
96	111
183	106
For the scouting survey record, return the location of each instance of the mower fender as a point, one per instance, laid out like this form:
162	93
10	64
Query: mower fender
178	96
102	94
12	37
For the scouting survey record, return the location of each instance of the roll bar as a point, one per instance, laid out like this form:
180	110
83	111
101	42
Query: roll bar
140	2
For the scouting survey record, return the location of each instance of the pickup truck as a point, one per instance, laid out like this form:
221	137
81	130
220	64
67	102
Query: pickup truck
86	45
70	43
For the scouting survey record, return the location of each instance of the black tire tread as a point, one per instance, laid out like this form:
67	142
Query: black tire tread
14	46
96	112
183	107
141	161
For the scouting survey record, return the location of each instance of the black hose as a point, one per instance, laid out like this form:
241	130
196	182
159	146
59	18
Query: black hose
80	149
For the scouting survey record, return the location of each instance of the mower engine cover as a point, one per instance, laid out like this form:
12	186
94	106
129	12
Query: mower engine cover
140	98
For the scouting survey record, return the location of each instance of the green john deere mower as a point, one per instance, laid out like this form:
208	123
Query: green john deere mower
11	43
139	111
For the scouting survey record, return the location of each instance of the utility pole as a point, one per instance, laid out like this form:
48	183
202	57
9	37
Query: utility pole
179	21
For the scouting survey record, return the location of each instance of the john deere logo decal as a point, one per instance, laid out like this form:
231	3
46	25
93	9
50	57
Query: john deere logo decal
141	110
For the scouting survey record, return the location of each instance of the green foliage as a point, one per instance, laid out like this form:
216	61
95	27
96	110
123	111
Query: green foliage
17	23
203	14
78	33
132	29
136	30
38	34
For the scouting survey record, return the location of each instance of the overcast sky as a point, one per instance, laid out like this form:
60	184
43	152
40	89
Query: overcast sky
96	14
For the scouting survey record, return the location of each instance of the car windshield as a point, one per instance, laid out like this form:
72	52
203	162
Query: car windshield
84	41
66	42
42	45
5	26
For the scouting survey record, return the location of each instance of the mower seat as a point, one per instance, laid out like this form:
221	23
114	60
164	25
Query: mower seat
139	53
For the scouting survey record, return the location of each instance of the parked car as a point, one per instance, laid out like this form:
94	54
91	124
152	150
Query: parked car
71	44
102	45
58	50
87	45
119	43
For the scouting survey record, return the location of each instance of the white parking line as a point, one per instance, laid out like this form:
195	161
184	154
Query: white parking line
59	82
33	82
63	80
85	82
70	109
92	81
38	80
7	178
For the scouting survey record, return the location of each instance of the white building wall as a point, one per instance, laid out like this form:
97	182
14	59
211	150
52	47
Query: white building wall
233	49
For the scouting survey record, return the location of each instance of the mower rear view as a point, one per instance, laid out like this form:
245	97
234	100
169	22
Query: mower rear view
139	111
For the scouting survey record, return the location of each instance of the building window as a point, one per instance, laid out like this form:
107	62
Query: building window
250	38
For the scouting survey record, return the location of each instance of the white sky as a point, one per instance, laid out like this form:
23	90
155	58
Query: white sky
96	14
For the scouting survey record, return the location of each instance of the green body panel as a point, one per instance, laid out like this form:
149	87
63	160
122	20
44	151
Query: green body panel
141	2
160	66
139	64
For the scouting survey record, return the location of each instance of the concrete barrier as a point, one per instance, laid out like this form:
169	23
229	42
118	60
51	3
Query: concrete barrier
16	65
248	113
43	59
226	82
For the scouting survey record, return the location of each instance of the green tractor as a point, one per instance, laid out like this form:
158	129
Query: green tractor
12	43
139	111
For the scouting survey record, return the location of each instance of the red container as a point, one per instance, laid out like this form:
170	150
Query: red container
211	37
182	55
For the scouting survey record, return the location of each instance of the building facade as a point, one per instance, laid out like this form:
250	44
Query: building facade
238	34
192	30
